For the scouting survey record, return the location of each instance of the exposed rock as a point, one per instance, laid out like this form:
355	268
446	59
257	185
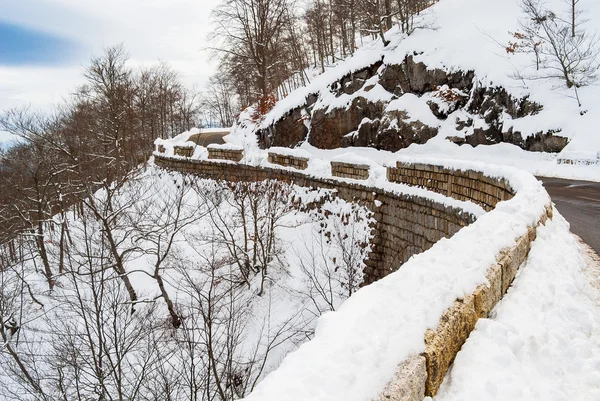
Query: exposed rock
397	132
353	82
446	100
491	102
366	135
411	77
548	142
328	129
288	132
540	142
450	91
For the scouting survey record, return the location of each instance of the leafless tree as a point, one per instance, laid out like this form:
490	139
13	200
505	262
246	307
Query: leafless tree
561	51
248	31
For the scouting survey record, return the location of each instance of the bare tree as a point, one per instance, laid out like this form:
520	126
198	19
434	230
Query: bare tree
561	51
248	31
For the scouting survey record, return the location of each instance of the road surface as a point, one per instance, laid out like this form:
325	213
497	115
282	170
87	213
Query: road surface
579	203
204	139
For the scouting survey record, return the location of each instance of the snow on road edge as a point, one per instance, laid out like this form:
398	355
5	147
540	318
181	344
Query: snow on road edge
543	340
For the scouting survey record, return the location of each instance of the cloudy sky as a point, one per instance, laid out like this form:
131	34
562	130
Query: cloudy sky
45	44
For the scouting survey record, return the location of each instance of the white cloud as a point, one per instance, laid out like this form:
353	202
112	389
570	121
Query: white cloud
171	30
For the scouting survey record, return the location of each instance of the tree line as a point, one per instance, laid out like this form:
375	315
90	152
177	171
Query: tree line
265	46
101	132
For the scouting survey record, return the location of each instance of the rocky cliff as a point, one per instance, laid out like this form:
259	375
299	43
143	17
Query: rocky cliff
391	106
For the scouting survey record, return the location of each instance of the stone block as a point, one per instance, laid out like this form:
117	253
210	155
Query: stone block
486	297
442	345
408	383
225	154
511	258
183	150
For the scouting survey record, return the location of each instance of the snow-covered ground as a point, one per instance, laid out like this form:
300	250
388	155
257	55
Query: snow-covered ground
542	341
182	229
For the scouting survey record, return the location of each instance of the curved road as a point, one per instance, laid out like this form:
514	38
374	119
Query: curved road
579	203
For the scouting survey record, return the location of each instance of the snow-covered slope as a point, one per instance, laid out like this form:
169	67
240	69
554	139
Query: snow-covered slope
181	242
461	36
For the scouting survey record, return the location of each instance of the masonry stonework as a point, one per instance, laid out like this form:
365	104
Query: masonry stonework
183	150
406	225
350	170
463	185
234	155
299	163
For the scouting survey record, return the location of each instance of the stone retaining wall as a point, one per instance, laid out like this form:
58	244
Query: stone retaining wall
463	185
300	163
350	170
405	225
233	155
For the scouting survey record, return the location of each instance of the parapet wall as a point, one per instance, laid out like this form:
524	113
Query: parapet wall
468	185
412	322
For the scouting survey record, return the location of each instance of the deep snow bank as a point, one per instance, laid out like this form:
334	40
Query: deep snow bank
543	341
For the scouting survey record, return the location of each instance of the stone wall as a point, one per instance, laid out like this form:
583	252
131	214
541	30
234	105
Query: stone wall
183	150
469	185
350	170
234	155
299	163
405	225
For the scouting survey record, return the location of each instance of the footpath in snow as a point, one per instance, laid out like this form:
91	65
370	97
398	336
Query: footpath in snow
543	340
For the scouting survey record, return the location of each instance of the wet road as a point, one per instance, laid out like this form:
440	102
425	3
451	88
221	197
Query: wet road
579	203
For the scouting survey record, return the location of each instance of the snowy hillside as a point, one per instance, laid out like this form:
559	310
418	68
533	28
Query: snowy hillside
222	281
465	41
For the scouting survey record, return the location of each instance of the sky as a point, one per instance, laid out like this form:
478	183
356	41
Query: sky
45	44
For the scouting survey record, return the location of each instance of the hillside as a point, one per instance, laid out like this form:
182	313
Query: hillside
169	286
445	90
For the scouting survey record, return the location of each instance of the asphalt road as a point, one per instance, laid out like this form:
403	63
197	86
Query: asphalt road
579	203
208	138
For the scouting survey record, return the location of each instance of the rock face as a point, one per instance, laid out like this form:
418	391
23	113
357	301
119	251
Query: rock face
364	120
287	132
330	130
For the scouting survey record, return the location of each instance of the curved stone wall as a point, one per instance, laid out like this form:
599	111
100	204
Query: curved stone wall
406	225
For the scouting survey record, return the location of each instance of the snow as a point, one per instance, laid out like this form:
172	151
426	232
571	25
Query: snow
352	158
290	152
214	130
543	339
288	303
417	109
357	348
225	146
462	35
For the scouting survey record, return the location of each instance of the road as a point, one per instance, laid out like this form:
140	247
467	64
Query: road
204	139
579	203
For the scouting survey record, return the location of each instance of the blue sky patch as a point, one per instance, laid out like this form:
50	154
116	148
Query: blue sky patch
21	46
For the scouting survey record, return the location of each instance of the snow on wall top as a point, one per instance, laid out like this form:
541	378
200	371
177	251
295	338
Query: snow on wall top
356	350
